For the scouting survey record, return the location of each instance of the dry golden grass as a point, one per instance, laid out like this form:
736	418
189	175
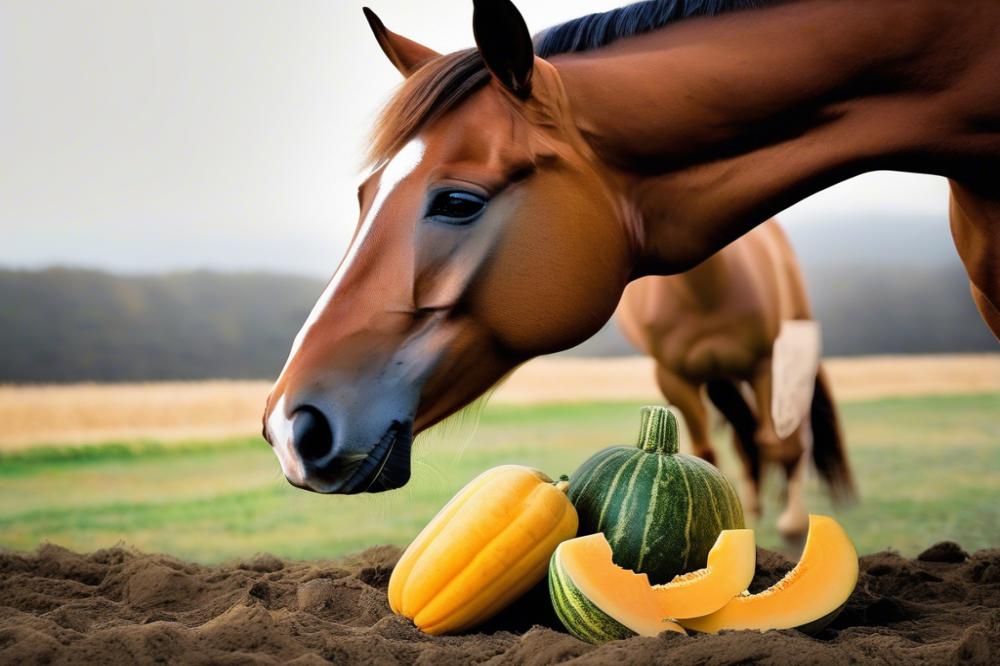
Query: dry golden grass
85	413
550	380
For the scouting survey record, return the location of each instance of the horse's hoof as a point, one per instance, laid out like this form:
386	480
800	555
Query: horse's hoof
793	529
792	544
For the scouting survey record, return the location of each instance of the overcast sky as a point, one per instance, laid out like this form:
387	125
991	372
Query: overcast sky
226	134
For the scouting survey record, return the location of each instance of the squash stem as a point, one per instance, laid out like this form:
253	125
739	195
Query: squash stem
562	484
657	430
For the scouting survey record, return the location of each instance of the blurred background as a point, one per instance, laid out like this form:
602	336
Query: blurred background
177	181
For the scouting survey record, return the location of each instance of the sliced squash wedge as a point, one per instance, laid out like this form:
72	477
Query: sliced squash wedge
584	566
807	598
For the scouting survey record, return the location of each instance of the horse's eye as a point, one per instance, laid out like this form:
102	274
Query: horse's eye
455	207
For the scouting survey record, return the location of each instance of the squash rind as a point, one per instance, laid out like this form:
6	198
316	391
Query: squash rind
599	601
624	594
578	614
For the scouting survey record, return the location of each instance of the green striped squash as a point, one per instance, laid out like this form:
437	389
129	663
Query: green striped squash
578	613
660	510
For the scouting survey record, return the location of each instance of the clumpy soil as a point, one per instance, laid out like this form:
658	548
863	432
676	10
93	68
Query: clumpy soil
123	606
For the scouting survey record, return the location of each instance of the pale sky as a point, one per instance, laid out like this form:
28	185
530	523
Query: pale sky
227	134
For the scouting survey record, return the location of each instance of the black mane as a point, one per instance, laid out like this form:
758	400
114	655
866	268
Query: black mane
596	30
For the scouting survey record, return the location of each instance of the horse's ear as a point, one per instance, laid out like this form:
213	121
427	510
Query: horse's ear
505	44
404	53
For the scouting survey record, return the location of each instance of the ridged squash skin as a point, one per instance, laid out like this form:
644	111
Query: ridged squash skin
484	549
660	510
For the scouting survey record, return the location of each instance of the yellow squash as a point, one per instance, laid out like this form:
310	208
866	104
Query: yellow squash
484	549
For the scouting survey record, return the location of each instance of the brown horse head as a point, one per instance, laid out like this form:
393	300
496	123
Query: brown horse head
487	235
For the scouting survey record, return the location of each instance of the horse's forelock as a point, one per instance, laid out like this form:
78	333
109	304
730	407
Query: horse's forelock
430	92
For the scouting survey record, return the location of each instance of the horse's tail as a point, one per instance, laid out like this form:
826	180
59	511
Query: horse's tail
828	451
725	395
829	455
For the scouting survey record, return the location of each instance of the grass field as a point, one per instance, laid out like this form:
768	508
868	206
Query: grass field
63	414
928	468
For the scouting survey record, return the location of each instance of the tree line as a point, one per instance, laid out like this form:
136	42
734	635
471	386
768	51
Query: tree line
60	325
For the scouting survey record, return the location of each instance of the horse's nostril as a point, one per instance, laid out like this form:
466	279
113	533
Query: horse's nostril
311	434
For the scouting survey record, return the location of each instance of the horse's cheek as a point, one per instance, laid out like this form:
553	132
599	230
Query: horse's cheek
558	274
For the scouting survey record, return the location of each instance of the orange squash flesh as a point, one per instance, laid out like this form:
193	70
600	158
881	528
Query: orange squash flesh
814	590
629	598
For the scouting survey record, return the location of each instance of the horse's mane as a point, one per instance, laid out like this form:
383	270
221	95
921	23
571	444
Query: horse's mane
596	30
445	82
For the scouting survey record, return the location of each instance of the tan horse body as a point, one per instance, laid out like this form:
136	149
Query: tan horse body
513	197
712	332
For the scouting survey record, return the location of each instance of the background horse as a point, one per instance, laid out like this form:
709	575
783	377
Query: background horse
715	327
513	195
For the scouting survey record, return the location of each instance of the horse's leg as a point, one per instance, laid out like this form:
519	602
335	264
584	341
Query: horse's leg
685	396
726	396
788	452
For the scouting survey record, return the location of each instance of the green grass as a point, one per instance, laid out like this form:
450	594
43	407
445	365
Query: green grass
928	468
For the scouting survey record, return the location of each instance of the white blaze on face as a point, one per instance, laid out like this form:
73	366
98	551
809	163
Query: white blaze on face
280	428
397	169
279	422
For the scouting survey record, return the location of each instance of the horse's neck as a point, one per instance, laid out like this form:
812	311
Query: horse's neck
712	125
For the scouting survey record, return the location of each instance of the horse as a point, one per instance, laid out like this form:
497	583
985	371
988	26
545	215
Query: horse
716	327
518	186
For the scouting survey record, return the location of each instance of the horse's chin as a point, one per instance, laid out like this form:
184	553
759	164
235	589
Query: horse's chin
393	469
386	467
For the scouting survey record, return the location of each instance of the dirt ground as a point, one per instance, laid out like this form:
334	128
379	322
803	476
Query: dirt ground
121	606
87	413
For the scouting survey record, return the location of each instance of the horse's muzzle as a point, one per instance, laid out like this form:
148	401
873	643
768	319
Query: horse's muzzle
311	460
387	466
